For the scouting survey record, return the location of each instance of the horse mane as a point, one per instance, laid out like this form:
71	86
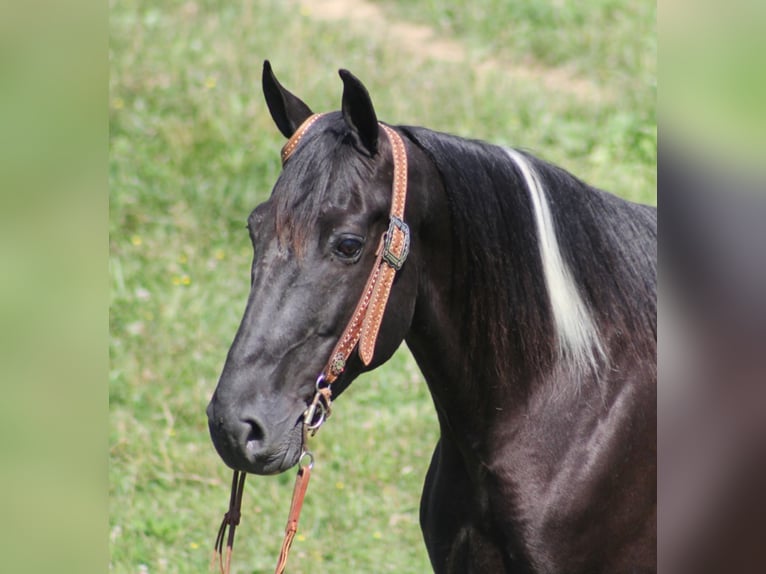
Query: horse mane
551	270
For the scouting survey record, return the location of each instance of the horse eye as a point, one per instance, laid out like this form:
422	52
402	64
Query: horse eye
349	247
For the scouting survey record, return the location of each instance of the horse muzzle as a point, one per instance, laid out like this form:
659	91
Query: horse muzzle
255	440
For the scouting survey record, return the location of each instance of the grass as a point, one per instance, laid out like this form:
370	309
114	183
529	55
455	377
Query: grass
193	150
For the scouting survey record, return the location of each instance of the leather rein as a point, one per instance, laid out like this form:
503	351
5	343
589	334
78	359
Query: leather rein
361	332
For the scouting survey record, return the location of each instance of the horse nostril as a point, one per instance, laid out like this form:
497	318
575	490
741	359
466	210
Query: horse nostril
255	435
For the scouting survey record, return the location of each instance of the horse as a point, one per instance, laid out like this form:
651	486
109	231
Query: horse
528	301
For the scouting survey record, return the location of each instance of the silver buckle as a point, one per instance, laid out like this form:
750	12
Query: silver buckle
389	256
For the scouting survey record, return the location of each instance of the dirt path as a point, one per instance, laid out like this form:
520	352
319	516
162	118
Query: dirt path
423	42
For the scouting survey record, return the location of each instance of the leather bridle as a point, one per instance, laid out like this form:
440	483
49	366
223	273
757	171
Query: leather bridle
361	332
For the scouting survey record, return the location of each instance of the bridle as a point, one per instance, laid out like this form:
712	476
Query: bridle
361	332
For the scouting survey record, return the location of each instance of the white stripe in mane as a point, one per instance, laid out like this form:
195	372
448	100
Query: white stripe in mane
578	338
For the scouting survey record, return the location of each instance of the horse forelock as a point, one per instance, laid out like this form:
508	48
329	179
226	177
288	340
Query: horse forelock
324	171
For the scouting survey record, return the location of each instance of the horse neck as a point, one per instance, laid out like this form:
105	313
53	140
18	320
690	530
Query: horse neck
462	375
485	332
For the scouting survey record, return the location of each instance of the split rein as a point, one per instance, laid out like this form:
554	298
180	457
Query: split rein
361	330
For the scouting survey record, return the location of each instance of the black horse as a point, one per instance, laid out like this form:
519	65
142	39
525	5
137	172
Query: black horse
529	303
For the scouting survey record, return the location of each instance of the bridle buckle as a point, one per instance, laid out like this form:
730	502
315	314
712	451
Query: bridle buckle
394	260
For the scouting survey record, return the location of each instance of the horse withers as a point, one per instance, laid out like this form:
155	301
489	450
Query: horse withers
528	300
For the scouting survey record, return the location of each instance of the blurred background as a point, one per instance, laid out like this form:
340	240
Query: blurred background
712	395
116	308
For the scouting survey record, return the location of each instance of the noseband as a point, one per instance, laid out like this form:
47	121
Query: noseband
361	332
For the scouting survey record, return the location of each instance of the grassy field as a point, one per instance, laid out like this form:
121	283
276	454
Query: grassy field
193	149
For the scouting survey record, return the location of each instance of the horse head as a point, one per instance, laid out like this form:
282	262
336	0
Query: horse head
315	242
528	300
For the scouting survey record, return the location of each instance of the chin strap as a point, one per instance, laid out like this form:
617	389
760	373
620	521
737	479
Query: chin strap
361	332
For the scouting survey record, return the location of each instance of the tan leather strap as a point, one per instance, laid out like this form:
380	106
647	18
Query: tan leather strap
299	492
364	326
365	322
295	139
394	250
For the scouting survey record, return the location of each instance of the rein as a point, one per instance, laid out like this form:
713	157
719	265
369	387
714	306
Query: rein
361	331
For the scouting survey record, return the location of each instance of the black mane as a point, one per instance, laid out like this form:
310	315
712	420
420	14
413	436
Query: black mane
607	242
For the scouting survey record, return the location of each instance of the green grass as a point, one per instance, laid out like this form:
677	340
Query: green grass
193	149
609	40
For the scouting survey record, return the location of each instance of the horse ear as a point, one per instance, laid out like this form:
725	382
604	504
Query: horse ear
287	110
358	111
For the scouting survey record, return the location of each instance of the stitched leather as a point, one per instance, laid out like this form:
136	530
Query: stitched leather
374	317
295	139
368	316
299	492
364	325
348	340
